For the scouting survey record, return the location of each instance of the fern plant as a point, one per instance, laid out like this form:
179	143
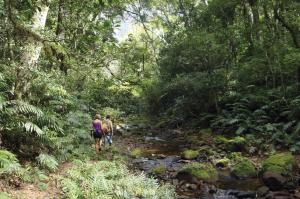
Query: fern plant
47	161
272	117
107	180
9	164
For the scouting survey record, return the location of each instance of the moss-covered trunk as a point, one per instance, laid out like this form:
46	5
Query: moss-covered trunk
31	51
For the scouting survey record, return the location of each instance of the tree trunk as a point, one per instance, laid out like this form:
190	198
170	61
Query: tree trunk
255	18
31	51
292	29
248	30
60	32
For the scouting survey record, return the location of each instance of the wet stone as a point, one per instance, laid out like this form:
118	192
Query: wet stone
246	195
262	191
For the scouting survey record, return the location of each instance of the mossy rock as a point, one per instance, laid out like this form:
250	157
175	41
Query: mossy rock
234	144
159	170
136	153
244	169
189	154
281	163
201	171
224	162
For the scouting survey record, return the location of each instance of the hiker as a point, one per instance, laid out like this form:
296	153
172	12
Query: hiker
98	132
110	129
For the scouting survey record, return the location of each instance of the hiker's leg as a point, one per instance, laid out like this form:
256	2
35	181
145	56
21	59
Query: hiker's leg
110	139
97	144
100	143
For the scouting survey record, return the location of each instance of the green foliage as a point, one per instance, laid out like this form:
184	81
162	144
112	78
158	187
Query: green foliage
9	164
47	161
10	167
34	174
114	181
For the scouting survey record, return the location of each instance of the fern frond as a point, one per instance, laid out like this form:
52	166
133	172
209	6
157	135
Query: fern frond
47	161
32	128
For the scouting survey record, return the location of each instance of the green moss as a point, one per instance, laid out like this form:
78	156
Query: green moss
159	170
201	171
244	169
190	154
136	152
234	144
283	163
223	162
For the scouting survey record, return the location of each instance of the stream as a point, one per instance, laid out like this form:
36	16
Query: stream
163	149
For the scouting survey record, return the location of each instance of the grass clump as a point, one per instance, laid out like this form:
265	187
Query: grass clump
136	153
159	170
190	154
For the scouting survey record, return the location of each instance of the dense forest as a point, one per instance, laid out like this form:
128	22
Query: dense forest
197	90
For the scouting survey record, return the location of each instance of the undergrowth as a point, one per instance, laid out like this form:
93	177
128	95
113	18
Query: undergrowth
108	180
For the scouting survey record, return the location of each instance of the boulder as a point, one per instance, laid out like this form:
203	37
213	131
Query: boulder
233	144
242	166
198	172
278	171
274	181
281	163
244	169
262	191
222	163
